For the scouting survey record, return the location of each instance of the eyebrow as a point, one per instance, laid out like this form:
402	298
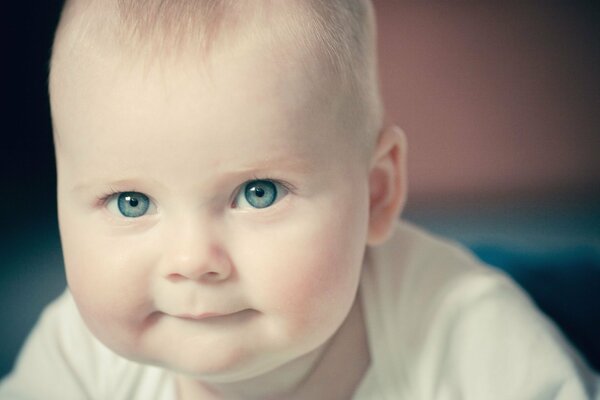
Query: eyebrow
106	182
293	163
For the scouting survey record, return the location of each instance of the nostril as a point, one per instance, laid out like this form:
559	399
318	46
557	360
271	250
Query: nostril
209	276
211	268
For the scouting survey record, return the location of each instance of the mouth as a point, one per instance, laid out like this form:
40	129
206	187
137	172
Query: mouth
199	317
214	316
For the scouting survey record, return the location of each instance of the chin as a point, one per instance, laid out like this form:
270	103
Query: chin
211	365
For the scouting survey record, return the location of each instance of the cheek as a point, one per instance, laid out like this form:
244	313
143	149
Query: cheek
106	276
311	266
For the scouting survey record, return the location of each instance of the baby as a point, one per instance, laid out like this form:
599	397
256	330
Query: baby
228	197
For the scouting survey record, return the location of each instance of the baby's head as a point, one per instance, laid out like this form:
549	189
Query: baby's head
222	168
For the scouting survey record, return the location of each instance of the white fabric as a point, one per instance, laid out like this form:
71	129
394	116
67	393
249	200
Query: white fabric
440	326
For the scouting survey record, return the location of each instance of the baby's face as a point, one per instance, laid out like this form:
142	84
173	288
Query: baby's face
213	221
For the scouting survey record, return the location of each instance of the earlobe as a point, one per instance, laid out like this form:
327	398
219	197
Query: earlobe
387	184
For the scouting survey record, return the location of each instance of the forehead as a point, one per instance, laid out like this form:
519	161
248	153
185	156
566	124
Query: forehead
141	113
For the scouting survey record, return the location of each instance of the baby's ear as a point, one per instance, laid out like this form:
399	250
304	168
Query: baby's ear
387	184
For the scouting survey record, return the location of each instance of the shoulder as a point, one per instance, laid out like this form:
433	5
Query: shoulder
463	329
418	270
56	350
60	348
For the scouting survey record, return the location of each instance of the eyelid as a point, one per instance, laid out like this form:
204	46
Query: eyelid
289	188
111	194
107	199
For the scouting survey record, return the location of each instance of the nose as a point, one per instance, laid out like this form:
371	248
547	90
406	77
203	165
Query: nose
195	252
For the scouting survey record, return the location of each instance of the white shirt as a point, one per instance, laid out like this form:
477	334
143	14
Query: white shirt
440	326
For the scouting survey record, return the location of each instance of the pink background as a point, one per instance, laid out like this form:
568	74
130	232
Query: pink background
496	100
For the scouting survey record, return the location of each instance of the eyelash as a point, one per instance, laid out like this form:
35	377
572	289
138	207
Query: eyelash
288	186
103	198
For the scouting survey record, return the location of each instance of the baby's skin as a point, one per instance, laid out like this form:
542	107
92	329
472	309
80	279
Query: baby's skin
214	217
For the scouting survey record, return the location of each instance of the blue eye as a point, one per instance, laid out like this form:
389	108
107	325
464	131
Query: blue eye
260	194
133	204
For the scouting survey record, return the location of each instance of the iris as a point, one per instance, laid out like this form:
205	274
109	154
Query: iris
133	204
260	193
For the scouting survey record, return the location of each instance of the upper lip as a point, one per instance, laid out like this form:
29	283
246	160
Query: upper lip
203	315
200	316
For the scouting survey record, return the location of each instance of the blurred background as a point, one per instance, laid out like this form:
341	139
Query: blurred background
500	102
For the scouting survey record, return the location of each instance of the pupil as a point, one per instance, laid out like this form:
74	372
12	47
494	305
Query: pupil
260	192
133	202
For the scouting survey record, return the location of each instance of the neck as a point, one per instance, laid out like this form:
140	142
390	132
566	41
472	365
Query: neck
332	371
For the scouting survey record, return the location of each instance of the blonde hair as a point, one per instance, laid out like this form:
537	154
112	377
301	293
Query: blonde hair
339	33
